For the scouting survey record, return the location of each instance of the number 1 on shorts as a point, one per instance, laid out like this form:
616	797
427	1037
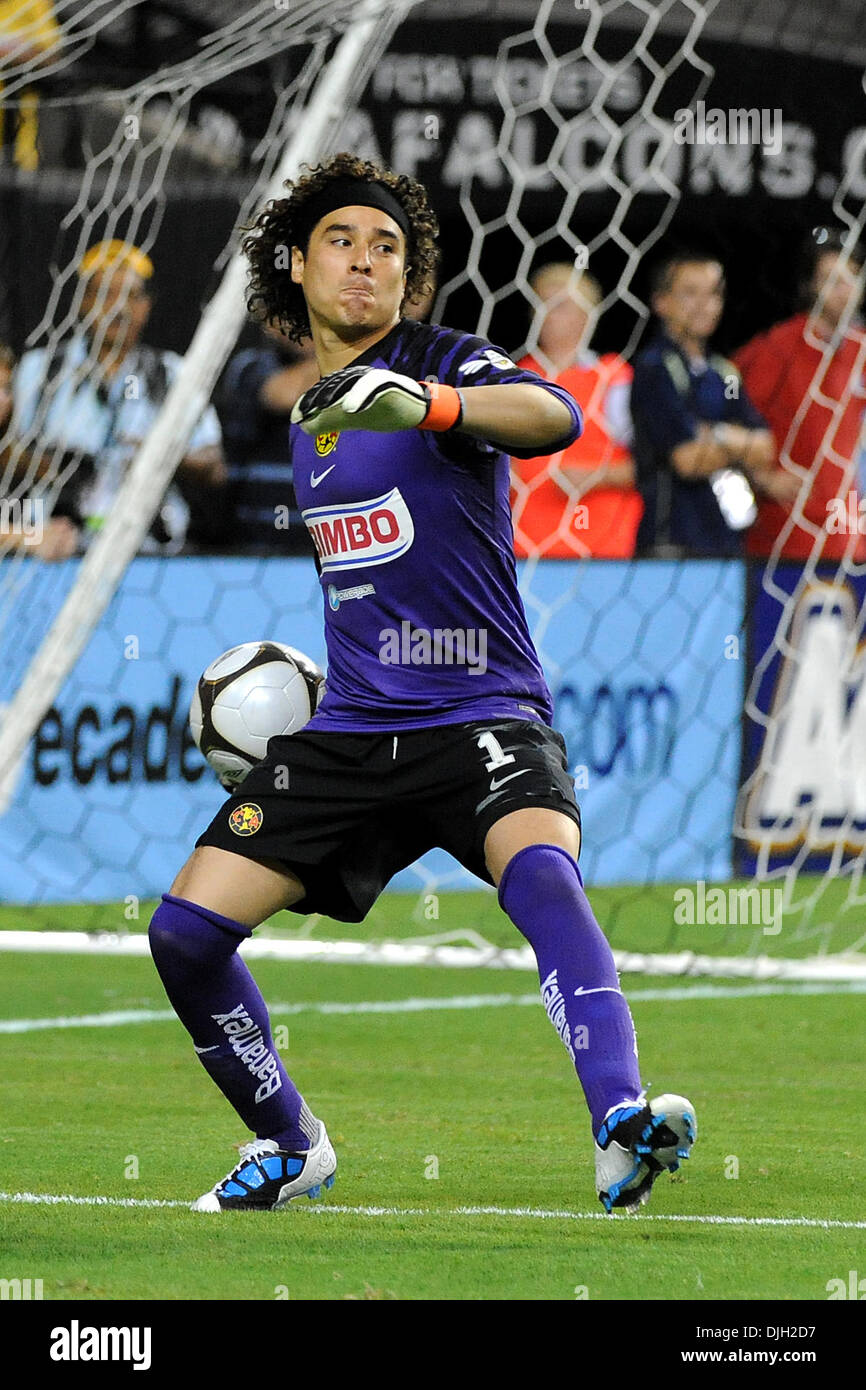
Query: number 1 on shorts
489	743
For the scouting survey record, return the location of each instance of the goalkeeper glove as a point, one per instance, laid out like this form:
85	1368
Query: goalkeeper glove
370	398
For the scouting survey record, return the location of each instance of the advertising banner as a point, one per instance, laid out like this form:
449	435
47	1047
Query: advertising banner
642	659
743	123
804	787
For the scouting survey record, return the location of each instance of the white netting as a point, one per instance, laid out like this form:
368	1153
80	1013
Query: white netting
556	140
121	198
807	858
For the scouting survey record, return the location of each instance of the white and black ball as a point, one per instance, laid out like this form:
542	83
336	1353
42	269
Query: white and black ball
250	694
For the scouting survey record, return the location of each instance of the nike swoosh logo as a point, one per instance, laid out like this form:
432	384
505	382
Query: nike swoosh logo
314	481
200	1050
502	780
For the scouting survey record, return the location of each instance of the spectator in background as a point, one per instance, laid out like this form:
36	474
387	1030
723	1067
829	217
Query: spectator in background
807	377
95	397
259	388
29	35
51	539
582	501
697	435
7	369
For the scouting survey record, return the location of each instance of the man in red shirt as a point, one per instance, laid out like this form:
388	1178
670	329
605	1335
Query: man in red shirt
806	377
582	501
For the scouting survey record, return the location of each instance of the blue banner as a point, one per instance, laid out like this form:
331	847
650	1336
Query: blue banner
645	666
642	658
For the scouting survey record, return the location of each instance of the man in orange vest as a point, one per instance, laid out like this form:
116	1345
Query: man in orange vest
581	501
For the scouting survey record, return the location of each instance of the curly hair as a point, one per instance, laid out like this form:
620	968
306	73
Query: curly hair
272	295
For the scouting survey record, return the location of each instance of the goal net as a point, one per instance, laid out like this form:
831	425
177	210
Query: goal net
140	151
717	763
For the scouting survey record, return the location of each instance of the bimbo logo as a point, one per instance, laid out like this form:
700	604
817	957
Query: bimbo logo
361	533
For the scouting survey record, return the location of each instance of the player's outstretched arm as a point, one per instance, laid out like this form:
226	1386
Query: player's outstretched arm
518	415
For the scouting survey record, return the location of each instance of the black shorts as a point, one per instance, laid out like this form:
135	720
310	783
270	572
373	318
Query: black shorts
345	812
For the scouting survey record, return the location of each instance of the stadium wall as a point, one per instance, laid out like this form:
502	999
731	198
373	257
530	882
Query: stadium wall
433	108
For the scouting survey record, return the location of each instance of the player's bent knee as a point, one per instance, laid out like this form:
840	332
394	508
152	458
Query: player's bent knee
174	934
246	890
521	830
186	939
542	892
544	873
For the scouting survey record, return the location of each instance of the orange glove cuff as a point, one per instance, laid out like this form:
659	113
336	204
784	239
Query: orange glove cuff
444	409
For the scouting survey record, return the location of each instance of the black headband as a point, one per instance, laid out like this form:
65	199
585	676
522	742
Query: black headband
348	192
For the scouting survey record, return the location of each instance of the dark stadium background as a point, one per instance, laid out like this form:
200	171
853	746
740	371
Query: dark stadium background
805	58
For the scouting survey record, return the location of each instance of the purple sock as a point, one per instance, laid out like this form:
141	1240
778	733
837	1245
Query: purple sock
542	892
218	1002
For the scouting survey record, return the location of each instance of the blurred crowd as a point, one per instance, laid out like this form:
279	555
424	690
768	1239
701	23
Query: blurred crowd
687	453
684	452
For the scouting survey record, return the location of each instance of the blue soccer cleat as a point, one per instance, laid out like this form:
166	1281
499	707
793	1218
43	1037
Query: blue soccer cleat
267	1177
636	1142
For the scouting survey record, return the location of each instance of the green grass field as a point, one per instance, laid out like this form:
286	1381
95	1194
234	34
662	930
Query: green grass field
465	1158
826	914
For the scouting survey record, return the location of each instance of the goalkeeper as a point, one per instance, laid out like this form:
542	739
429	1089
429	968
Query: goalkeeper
435	728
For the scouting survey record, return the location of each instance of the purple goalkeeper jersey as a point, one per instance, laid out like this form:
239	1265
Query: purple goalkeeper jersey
423	619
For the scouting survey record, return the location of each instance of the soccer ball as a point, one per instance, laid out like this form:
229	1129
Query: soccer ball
248	695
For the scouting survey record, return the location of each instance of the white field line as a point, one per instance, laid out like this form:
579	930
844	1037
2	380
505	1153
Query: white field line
677	994
521	1213
680	963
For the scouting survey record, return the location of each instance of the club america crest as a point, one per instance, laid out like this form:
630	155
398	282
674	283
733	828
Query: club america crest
246	819
326	443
